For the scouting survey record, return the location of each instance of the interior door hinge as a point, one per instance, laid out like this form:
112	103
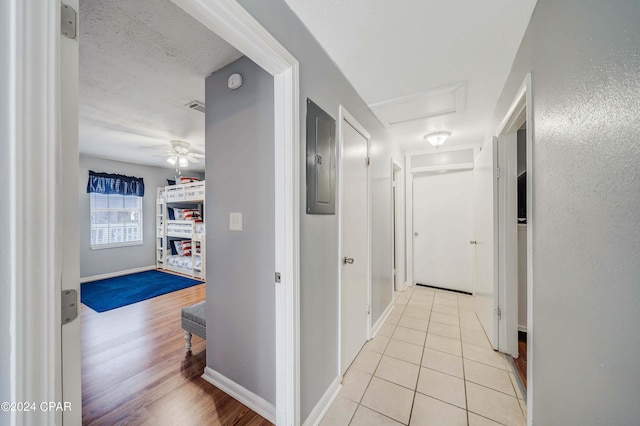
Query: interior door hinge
278	277
368	161
368	309
499	313
498	173
68	20
69	306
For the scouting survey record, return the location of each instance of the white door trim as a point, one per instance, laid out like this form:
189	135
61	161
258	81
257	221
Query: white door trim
30	42
344	115
408	219
398	257
235	25
521	110
33	47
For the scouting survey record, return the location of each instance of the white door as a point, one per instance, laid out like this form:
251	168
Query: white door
355	244
442	220
508	244
485	262
70	258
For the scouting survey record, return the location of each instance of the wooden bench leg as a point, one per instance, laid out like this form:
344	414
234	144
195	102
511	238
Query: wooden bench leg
187	337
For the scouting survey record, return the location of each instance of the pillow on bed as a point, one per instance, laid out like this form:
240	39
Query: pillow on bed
171	213
192	215
186	247
174	250
178	214
179	248
184	179
171	182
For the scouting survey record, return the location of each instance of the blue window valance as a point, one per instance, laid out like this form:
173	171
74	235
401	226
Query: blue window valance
107	183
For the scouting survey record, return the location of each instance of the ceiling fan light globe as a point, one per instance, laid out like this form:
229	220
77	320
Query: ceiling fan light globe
172	160
183	162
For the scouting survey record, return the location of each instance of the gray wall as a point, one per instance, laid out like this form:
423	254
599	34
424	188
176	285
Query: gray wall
240	265
321	81
104	261
583	56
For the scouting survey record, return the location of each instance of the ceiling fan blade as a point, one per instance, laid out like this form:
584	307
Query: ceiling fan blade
191	158
197	155
155	146
166	154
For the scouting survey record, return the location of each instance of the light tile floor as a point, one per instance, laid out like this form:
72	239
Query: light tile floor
430	364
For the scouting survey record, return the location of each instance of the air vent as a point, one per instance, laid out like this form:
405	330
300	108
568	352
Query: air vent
196	105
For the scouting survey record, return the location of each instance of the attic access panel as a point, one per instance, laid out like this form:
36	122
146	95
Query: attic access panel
321	161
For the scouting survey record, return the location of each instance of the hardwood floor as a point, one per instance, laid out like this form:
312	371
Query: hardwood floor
135	369
521	361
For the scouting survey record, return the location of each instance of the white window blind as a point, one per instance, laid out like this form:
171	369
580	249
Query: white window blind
116	220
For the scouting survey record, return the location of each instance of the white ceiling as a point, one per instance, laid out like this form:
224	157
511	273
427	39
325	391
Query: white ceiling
141	61
393	49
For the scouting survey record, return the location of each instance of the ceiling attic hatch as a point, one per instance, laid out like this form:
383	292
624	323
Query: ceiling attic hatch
419	106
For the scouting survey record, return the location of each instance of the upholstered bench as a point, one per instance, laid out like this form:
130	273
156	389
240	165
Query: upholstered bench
194	321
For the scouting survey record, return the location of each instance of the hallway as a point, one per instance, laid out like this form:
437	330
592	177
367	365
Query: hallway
430	364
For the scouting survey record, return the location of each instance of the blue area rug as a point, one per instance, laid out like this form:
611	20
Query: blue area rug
112	293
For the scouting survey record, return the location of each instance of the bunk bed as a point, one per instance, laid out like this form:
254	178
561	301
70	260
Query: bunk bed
180	236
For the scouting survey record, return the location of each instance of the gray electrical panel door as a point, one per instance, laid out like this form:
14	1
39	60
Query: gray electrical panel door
321	161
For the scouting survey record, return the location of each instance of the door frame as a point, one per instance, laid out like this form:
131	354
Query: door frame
35	283
520	111
344	115
398	225
409	173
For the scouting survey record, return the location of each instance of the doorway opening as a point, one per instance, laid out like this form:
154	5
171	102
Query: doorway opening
515	229
229	20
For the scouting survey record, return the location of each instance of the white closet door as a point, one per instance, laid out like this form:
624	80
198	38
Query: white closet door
442	224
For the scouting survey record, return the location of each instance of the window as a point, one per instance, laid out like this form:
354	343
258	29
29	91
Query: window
116	220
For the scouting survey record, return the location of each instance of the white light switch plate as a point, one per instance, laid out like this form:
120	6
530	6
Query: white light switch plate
235	221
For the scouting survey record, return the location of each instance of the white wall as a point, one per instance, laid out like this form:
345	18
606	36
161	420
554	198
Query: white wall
583	57
5	225
105	261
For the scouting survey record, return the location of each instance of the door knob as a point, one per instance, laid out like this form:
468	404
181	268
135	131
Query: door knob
473	242
416	234
348	260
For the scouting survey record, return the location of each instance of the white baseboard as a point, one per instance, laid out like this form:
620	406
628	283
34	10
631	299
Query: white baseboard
245	396
321	408
116	274
382	319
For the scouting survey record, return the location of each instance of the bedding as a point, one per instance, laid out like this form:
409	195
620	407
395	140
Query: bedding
184	262
184	229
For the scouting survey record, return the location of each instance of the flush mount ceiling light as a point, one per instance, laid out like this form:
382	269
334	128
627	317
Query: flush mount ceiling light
437	139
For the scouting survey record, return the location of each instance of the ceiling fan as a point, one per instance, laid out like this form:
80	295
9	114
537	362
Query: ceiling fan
180	156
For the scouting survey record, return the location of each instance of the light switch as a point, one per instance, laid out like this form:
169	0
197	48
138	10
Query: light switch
235	221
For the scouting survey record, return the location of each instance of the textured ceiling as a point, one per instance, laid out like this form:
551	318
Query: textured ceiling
141	61
392	49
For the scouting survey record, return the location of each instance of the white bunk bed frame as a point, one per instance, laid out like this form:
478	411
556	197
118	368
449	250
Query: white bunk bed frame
188	193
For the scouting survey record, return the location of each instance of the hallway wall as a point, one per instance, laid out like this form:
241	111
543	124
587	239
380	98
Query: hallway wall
239	141
322	82
583	57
